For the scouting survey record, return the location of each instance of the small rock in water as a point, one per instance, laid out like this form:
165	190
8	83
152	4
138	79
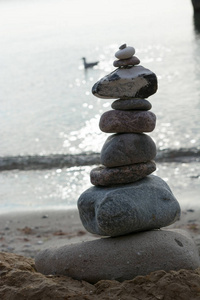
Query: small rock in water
126	149
143	205
124	83
120	175
131	104
127	121
126	62
45	216
125	52
121	258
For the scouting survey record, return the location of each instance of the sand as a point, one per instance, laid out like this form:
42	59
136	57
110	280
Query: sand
24	234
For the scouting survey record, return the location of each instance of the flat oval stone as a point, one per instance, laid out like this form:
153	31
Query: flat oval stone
125	83
126	149
143	205
119	175
127	121
126	62
135	103
125	53
121	258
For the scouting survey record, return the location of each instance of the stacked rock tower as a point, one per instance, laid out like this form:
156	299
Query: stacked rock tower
126	204
127	157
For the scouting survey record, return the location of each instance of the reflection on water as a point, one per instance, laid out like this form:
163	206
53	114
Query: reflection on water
46	93
46	101
61	188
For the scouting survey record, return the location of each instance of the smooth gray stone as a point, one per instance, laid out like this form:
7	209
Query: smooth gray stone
131	104
132	61
143	205
126	149
121	121
133	82
121	175
125	52
121	258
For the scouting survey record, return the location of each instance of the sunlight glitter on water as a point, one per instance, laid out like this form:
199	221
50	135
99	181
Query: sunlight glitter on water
62	187
46	101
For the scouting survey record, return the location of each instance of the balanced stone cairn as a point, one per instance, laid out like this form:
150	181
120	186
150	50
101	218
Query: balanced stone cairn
126	204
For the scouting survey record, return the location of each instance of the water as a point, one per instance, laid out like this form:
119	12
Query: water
46	101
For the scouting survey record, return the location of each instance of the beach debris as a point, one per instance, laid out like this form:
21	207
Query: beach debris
126	202
69	234
40	242
193	227
60	232
45	216
190	210
26	230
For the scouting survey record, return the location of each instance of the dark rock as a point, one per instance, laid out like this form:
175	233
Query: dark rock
143	205
120	175
127	121
131	104
126	149
124	83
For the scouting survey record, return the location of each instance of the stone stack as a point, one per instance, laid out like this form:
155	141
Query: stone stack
126	203
125	199
126	156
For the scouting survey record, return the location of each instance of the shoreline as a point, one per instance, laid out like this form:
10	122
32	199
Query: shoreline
63	160
27	232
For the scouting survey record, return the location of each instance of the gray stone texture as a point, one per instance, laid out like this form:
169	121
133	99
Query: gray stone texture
143	205
130	104
126	62
125	52
132	82
120	175
121	258
127	121
126	149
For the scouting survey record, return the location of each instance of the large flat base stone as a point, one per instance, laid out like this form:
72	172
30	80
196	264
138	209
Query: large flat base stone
121	258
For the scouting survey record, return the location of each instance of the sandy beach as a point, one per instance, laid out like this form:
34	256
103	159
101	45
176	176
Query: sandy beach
24	234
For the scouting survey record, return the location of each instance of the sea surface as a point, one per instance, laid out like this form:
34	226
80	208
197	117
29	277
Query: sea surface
47	110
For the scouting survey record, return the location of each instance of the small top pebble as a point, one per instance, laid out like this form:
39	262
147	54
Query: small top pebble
122	46
125	52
